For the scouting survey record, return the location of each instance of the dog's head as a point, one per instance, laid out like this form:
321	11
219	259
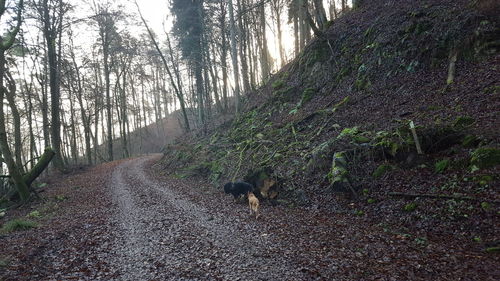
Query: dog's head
228	187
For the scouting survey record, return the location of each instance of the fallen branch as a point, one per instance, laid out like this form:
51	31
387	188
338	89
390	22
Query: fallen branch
440	196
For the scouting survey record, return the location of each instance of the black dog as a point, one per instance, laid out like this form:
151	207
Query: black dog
237	188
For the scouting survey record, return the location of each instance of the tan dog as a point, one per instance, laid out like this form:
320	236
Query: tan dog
254	204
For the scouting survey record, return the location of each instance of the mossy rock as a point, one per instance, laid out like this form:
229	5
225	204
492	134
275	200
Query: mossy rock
485	157
320	156
338	173
381	170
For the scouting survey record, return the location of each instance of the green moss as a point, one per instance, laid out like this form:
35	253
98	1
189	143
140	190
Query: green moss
307	95
60	197
342	74
348	132
369	31
463	122
485	157
362	83
470	141
338	171
277	84
319	53
283	95
359	213
34	214
360	139
494	90
486	206
387	141
484	179
410	207
341	103
441	165
493	250
381	170
370	201
17	225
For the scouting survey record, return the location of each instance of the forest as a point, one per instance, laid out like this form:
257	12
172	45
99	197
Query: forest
93	101
368	131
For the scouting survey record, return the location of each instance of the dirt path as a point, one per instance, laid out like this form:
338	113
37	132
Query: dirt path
162	234
124	221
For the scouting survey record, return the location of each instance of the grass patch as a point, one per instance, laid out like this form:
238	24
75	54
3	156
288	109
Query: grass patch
278	84
17	225
381	170
441	166
60	197
493	250
34	214
410	207
485	157
359	213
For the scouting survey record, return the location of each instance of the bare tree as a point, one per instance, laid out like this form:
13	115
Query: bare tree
5	44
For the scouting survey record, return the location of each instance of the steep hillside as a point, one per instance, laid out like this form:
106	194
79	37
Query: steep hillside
338	117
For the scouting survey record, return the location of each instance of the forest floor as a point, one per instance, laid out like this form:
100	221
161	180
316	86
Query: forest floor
124	220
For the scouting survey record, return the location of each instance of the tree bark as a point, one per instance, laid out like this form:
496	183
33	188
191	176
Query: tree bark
5	43
50	33
234	55
264	55
40	166
10	94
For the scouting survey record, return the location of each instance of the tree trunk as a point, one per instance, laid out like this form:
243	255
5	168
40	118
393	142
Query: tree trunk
223	58
5	44
40	166
50	34
320	14
264	63
242	49
10	94
234	55
176	87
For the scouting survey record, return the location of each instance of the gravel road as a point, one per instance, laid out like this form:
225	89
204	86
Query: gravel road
124	220
163	235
